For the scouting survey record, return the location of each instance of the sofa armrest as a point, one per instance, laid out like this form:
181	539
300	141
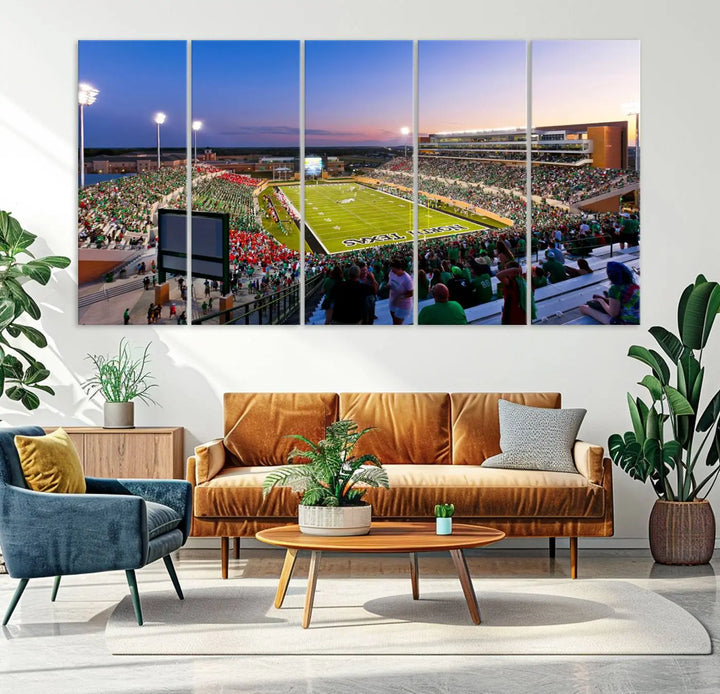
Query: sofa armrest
209	460
588	460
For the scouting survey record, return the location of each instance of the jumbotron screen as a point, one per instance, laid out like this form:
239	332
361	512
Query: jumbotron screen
313	166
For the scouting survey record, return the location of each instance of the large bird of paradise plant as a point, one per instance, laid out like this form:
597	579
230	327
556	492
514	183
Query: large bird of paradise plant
671	432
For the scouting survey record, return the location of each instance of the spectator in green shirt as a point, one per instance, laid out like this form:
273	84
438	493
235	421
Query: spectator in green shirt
555	271
443	311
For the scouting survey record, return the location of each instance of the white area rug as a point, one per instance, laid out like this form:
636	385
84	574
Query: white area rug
372	616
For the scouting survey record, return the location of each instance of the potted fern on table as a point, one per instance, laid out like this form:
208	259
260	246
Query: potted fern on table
332	483
675	441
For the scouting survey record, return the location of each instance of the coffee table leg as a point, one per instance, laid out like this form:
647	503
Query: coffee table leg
414	575
462	569
312	582
287	569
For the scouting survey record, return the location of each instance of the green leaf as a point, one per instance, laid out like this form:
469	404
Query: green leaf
35	373
653	360
12	367
711	413
652	425
682	306
637	420
15	392
30	400
7	312
678	403
670	344
58	261
700	310
45	389
714	453
32	334
22	297
653	385
37	270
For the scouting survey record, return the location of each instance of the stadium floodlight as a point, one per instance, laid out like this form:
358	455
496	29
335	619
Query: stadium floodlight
159	119
86	97
196	125
633	109
405	131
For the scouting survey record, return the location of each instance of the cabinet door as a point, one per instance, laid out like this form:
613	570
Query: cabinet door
140	455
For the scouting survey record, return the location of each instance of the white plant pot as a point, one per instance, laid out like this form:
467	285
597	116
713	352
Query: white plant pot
119	415
335	520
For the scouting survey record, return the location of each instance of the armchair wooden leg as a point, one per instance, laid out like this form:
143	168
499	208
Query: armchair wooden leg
173	576
573	557
224	558
236	549
551	547
132	582
56	585
15	599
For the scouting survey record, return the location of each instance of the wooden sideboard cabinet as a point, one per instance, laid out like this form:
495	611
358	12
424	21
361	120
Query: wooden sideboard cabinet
143	452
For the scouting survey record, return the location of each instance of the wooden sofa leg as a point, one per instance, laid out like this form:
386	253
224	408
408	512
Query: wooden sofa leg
573	557
236	552
551	547
224	552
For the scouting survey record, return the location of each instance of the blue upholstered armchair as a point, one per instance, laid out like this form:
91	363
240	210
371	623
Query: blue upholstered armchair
117	524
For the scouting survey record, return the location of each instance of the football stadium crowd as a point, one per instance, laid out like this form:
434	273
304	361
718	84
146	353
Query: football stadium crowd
110	210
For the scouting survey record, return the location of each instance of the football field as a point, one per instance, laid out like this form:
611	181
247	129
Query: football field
347	216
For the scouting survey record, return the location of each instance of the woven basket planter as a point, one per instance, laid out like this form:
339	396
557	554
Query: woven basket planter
682	532
335	520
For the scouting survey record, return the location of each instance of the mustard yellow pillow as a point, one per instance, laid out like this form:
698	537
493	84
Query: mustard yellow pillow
51	463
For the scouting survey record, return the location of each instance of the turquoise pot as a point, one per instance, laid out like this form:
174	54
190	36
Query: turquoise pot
443	526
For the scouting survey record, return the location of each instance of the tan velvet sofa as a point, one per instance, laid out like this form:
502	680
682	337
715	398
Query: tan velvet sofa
432	446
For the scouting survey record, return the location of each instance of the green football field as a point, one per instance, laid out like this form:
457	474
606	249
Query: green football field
347	216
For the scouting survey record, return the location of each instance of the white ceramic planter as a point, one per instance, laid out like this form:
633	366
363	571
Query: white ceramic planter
119	415
443	526
335	520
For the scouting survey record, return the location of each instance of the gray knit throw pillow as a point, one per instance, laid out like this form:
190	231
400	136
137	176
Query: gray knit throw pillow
536	438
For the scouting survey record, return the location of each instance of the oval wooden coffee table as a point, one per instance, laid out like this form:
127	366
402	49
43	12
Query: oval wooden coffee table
386	538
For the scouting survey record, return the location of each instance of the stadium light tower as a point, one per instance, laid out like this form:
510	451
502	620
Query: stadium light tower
196	125
405	131
159	119
86	97
634	110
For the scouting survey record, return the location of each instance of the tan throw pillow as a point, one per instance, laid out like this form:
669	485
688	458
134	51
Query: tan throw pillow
210	460
51	463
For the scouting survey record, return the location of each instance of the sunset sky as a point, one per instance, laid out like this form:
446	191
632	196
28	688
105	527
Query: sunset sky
357	92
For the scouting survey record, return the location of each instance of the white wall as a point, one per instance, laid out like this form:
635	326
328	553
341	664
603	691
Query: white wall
680	62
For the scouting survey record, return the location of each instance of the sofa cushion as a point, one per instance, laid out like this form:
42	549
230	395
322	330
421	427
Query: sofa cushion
161	519
536	438
51	463
257	425
476	491
476	422
410	427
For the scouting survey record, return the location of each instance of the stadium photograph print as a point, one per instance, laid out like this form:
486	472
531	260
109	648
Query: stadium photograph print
132	162
247	123
471	170
586	182
359	224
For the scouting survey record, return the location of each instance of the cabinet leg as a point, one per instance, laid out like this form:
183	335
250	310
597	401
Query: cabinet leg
551	547
236	553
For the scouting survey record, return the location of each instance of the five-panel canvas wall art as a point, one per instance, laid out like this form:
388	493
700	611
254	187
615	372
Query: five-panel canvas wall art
359	182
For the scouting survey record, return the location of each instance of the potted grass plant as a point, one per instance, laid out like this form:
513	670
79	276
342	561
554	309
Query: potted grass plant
121	379
675	441
329	482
